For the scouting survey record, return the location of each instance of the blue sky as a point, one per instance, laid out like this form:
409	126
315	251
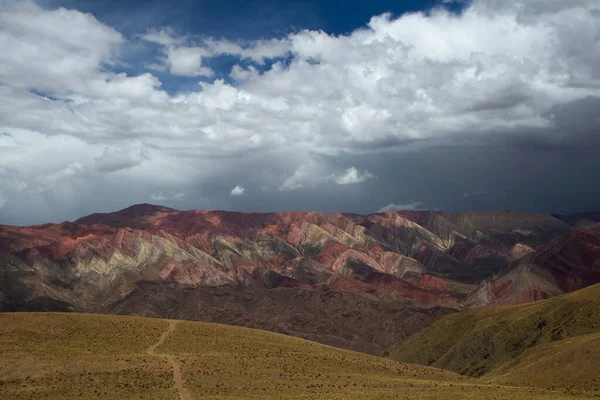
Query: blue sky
304	105
234	19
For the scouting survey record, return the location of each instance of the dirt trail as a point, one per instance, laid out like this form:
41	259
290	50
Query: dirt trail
183	393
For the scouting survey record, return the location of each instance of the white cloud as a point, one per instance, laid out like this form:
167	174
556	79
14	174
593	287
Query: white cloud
179	59
413	77
50	181
237	191
118	159
184	55
158	197
412	206
165	37
301	177
187	61
162	197
313	174
57	50
352	175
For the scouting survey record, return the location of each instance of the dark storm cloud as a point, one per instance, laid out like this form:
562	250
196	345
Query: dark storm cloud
575	128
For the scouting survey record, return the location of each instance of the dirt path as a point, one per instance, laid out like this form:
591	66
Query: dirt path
183	393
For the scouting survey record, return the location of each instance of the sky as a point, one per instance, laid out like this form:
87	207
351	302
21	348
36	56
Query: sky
260	106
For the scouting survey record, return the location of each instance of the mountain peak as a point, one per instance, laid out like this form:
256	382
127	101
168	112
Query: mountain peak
136	214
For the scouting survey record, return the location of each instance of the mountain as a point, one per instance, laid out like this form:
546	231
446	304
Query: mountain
552	344
567	263
361	282
84	356
580	219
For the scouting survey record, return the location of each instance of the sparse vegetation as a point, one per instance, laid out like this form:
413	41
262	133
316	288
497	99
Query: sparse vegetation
83	356
80	356
553	344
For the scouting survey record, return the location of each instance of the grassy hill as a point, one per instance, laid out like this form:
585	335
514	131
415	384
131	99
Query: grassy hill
553	343
82	356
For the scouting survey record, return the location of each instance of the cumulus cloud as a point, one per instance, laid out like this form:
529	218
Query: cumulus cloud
71	46
237	191
179	58
412	206
415	77
352	175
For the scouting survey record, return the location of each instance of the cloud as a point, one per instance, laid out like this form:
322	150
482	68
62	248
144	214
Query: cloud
71	44
415	77
237	191
351	176
301	177
12	179
187	61
2	200
186	56
49	182
179	59
158	197
412	206
113	160
162	197
312	174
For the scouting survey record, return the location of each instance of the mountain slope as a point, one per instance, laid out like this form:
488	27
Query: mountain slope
567	263
551	343
81	356
323	314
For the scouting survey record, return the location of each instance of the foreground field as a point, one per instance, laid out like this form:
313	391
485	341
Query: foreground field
553	344
82	356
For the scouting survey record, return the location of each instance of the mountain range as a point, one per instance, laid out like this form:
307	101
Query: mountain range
360	282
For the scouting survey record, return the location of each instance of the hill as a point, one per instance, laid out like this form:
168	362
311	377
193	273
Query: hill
84	356
553	343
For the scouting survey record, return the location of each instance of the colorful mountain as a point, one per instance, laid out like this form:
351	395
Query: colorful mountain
360	282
